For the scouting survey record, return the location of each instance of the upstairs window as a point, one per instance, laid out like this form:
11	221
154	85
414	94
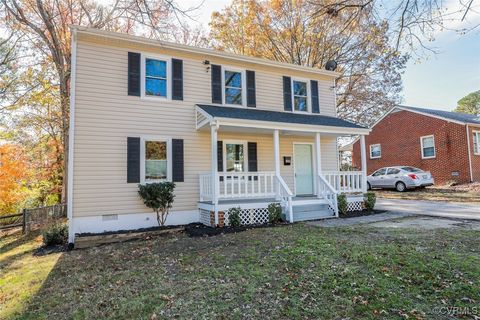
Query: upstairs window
156	78
233	87
476	142
300	95
375	151
428	147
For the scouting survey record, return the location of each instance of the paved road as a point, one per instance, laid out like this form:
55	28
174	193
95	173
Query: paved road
431	208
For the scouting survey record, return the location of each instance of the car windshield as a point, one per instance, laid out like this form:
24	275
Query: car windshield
412	169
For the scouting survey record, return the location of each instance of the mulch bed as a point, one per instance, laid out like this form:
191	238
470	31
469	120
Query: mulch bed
360	213
200	230
87	234
44	250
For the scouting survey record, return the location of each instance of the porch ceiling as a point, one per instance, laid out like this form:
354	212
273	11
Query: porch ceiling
264	121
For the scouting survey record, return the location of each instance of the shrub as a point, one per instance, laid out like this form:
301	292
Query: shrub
55	234
342	204
234	217
159	197
370	199
274	212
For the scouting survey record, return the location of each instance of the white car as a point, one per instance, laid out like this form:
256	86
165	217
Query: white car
400	178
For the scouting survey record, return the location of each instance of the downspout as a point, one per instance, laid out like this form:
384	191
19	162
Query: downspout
71	133
469	153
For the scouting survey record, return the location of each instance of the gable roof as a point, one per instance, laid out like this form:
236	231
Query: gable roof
118	36
449	115
276	116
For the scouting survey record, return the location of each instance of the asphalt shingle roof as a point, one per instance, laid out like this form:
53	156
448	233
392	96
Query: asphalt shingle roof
457	116
275	116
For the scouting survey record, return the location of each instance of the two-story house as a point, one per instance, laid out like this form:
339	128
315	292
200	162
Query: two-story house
229	130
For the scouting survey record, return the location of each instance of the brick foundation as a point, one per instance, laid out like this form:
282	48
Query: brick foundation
221	219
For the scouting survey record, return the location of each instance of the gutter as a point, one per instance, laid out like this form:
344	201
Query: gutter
469	153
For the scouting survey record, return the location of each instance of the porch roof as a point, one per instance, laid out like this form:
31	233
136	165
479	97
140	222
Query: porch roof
286	119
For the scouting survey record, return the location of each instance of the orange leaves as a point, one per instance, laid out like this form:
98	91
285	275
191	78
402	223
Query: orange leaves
13	171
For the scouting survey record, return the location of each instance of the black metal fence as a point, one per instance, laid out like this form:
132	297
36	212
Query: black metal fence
29	218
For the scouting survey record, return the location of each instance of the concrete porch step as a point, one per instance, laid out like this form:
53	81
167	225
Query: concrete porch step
310	210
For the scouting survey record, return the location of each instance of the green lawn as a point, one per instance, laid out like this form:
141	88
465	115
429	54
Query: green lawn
286	272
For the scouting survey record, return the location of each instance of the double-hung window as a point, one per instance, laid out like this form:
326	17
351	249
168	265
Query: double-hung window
156	77
476	142
375	151
233	87
300	95
235	157
156	160
428	147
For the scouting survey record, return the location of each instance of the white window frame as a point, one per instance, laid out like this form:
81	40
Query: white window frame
245	154
434	148
375	145
168	140
143	72
244	86
476	134
307	81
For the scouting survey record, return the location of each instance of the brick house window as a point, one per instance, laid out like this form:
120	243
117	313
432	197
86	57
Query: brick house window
375	151
476	142
428	147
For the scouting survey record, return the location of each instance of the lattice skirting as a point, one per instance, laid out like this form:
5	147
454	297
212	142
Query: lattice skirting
251	216
355	206
247	216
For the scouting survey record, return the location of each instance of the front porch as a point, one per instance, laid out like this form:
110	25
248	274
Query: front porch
304	190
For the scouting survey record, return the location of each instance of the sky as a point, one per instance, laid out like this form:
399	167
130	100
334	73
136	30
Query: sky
436	81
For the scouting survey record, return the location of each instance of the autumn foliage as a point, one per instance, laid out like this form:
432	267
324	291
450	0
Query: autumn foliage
13	172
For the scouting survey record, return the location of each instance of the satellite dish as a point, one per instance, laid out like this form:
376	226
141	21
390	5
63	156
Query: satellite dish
331	65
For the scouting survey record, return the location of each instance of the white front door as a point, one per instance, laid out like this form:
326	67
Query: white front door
303	169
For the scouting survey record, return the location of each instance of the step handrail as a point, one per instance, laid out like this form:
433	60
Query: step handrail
329	193
285	194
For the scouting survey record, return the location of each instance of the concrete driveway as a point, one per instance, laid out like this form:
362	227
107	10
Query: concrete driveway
431	208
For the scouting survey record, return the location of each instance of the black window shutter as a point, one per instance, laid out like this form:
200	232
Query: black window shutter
315	102
134	74
216	84
133	160
177	79
252	157
251	95
177	160
287	93
220	156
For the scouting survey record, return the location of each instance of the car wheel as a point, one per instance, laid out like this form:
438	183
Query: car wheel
369	187
400	187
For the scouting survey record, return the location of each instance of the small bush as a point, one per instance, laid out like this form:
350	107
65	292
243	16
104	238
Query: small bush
158	197
342	204
234	217
56	234
370	199
274	212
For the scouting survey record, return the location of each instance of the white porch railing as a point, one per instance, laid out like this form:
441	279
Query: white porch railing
327	191
345	181
247	185
238	185
285	195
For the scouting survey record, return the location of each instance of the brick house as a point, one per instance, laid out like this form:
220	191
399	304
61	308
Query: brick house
445	143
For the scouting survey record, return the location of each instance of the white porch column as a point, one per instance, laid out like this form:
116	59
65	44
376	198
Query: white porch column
276	149
276	157
318	159
214	168
364	163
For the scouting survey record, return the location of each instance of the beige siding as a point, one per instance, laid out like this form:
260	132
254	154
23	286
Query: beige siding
105	116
